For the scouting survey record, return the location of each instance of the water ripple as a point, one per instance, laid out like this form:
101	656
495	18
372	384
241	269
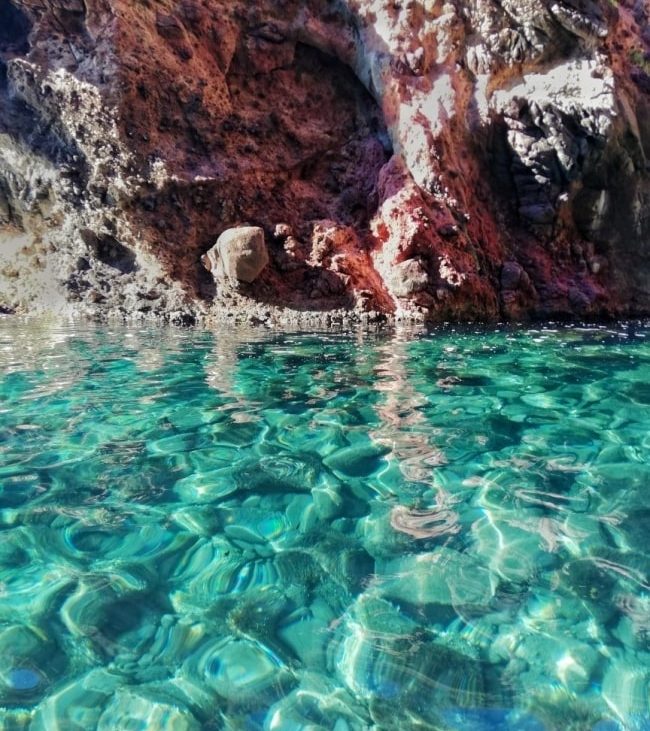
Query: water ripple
267	531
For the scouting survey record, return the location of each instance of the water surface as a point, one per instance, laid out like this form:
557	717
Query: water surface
322	531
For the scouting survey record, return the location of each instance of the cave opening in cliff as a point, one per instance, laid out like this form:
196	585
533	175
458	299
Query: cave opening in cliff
316	158
325	140
14	28
287	137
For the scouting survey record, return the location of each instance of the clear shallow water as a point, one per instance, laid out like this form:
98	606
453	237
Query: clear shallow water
283	532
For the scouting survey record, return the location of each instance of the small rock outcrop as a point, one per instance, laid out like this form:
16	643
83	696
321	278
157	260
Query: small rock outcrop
240	255
406	278
434	160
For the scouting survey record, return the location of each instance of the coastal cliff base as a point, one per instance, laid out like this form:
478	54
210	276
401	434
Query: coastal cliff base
418	160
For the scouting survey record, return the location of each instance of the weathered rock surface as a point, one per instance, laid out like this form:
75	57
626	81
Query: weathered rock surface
239	255
432	159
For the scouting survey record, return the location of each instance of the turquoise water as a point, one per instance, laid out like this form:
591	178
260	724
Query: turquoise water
283	531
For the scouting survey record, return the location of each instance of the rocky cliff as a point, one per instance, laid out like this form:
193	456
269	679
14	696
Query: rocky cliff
423	158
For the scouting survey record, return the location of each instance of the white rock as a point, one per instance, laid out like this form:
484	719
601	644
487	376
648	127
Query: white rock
240	254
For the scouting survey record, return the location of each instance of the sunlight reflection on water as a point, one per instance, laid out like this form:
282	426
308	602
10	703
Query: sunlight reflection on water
262	530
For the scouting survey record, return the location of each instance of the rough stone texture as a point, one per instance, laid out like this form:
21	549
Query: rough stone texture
406	278
426	159
239	255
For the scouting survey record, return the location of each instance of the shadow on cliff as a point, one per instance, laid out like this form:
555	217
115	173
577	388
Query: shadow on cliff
578	234
302	143
14	29
19	120
36	133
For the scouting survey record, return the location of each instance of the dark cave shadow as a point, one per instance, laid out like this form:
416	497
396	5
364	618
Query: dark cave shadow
14	29
346	202
183	227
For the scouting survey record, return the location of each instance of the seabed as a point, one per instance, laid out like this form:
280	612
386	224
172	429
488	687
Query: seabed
279	531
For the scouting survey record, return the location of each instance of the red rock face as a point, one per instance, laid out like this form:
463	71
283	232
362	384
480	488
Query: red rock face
259	128
420	160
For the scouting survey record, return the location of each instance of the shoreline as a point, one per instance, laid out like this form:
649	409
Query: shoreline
340	322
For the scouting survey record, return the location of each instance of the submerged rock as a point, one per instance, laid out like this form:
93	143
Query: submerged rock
30	665
244	674
399	669
77	705
131	708
317	703
626	687
444	577
357	461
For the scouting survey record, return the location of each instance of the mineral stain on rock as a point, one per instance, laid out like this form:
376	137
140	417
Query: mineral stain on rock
431	161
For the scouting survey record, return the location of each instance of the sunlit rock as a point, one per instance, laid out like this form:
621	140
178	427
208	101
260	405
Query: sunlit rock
78	704
132	706
395	160
240	255
443	576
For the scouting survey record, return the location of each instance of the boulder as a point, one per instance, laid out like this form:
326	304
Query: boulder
239	255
